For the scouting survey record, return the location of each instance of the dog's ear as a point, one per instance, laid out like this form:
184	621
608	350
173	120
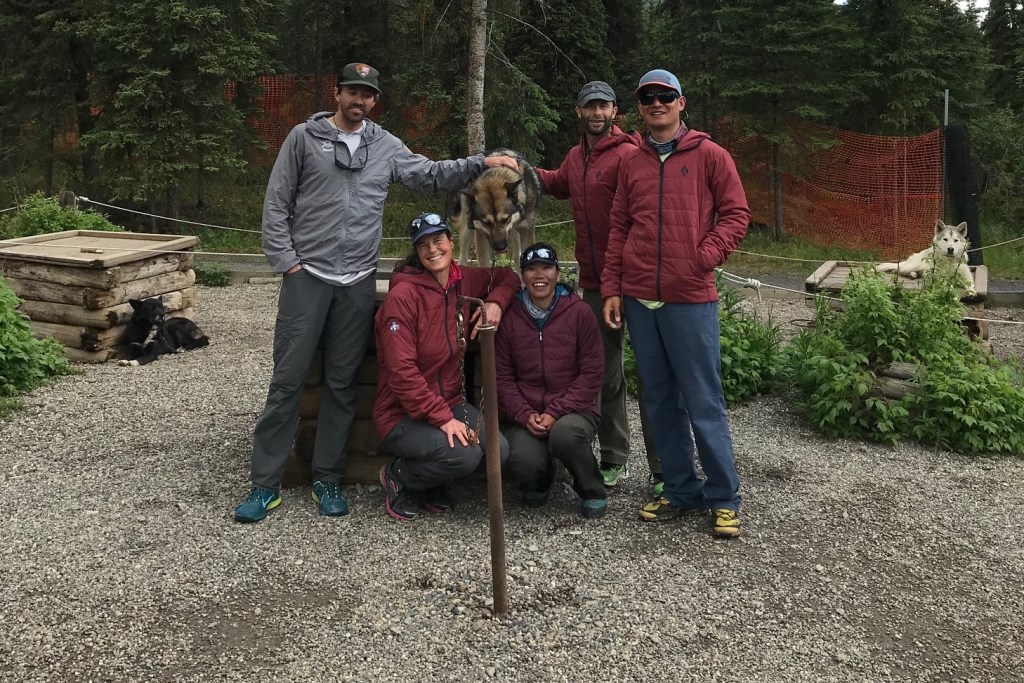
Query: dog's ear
962	228
135	303
513	188
160	299
939	226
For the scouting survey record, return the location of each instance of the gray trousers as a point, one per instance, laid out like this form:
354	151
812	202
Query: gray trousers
308	309
571	441
423	458
613	433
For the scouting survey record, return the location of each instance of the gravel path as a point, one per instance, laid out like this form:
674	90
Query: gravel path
121	563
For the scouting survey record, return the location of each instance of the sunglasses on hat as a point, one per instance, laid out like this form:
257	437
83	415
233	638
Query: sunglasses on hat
664	96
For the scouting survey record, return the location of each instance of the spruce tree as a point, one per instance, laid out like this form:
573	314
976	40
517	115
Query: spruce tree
1003	27
161	74
783	65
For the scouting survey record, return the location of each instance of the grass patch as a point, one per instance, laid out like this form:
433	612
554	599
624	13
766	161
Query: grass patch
812	255
1005	261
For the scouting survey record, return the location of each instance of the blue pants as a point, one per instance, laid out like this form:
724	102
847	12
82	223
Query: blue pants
678	356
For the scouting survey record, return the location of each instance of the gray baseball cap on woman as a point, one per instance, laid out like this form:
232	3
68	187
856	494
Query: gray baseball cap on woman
595	90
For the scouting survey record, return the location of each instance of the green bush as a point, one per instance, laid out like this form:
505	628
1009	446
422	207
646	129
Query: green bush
963	398
212	275
25	362
752	357
40	215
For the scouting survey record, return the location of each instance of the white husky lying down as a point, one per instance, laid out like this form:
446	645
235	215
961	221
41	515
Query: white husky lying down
946	252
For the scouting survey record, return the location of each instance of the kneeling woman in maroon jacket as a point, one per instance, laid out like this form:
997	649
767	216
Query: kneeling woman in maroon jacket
550	360
419	411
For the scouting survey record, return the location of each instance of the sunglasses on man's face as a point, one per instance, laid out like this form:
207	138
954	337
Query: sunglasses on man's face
664	96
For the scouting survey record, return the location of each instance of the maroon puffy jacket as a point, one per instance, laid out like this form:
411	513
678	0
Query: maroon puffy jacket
674	221
555	370
589	182
417	345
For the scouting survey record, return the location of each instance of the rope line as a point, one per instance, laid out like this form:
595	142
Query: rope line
166	218
16	206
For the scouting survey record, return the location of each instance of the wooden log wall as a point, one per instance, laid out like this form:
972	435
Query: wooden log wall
86	309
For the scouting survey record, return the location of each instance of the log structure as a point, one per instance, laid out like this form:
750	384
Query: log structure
75	285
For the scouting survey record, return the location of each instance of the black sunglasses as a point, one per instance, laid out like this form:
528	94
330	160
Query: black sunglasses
353	166
664	96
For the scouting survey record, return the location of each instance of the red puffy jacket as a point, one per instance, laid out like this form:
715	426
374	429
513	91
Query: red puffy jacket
674	221
590	183
417	344
558	369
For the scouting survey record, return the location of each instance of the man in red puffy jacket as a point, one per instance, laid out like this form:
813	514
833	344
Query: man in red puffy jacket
678	213
588	177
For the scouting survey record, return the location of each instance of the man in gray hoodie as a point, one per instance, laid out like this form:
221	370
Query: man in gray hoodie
322	222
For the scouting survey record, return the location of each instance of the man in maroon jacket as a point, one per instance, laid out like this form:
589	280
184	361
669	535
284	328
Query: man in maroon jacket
678	213
588	176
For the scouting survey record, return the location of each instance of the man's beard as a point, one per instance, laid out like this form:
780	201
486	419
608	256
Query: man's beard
604	128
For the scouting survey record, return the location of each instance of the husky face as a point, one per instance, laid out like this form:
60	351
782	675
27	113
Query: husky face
950	241
499	210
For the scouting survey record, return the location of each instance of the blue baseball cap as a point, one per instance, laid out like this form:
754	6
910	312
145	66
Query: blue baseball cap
427	224
660	77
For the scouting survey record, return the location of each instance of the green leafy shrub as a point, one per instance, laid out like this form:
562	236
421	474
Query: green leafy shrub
40	215
752	357
963	399
25	362
212	275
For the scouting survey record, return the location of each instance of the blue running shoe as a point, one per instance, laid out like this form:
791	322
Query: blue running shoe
592	508
257	505
328	495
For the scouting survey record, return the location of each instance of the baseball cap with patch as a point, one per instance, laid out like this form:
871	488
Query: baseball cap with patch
427	224
595	90
538	253
358	73
660	77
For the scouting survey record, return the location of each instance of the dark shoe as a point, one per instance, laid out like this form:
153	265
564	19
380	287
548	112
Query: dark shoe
254	508
536	499
662	510
328	495
725	523
592	508
398	500
437	499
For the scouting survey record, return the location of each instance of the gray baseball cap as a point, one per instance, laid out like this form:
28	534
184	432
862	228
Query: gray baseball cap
595	90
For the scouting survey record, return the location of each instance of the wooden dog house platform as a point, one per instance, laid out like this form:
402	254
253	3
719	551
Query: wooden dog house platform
831	276
75	285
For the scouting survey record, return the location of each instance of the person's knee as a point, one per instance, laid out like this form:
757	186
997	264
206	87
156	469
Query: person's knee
569	435
460	461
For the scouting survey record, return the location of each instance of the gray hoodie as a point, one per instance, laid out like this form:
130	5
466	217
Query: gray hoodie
331	219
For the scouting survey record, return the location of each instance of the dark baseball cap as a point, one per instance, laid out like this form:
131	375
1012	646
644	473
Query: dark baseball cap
538	253
358	73
427	224
595	90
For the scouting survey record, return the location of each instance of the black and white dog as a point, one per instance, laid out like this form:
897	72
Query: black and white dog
151	335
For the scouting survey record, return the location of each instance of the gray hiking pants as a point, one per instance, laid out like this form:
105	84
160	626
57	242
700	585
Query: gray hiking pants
308	309
613	432
572	441
423	458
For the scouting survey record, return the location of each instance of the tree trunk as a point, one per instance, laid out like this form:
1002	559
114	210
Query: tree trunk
318	67
477	67
777	229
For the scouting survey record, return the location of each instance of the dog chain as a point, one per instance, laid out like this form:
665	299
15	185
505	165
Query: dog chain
473	435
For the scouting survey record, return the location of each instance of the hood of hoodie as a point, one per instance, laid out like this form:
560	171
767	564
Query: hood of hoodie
686	139
319	125
423	278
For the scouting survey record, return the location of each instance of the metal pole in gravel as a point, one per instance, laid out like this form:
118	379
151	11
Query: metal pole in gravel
493	451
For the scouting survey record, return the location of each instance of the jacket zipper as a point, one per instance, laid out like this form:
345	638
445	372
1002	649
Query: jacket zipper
440	381
543	373
586	215
661	202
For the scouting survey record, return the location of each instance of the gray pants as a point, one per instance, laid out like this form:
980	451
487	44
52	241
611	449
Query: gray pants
613	433
423	458
571	441
308	309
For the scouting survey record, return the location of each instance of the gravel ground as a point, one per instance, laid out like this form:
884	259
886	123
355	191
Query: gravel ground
121	563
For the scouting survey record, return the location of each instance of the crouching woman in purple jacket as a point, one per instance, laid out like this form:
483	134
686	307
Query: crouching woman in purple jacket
550	362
